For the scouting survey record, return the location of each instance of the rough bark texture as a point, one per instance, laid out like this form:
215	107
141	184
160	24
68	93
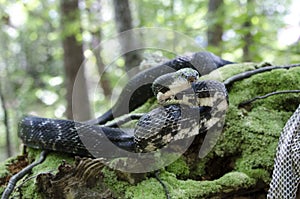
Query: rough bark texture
239	166
77	100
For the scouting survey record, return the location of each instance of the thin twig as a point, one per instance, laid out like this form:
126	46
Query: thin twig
15	178
267	95
163	185
247	74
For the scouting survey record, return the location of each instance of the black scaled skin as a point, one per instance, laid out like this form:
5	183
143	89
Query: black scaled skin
138	90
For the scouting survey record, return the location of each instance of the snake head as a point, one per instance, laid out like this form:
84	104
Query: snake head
167	86
186	75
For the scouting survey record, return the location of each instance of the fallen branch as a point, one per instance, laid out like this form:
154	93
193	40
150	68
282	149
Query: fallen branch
15	178
228	82
267	95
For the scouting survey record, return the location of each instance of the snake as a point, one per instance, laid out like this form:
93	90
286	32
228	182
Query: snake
139	88
286	173
186	107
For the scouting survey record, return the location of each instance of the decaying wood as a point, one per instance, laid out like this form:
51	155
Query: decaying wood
75	181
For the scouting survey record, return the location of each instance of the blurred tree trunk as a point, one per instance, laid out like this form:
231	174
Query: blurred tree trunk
215	27
104	79
6	123
95	18
123	22
78	104
248	37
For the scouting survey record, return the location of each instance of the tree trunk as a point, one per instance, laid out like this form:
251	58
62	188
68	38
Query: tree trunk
104	80
123	22
215	28
6	123
77	102
248	37
95	18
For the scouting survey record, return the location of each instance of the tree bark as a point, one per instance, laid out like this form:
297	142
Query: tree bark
78	103
123	22
215	28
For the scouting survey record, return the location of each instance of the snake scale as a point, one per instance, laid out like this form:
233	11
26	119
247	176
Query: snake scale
286	173
188	107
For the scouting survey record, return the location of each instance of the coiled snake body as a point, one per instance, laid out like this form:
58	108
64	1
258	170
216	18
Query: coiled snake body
188	107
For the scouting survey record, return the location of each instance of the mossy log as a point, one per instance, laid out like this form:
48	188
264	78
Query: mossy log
239	166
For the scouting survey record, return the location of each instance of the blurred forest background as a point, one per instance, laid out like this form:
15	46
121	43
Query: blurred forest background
43	44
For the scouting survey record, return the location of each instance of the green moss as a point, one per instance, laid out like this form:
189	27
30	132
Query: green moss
236	179
184	189
52	161
111	180
179	168
250	136
265	83
147	189
230	70
3	166
4	172
51	164
259	174
188	188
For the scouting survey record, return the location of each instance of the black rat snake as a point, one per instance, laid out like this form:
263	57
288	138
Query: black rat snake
188	107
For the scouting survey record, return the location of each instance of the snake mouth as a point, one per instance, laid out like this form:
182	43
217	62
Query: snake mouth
174	84
192	79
